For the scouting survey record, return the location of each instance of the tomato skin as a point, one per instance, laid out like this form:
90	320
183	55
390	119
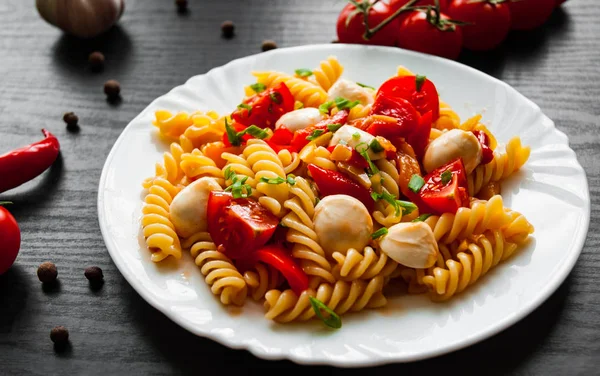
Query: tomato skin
419	138
333	183
425	100
299	140
560	2
490	23
398	108
10	240
279	258
267	107
529	14
445	198
353	33
484	141
417	34
240	225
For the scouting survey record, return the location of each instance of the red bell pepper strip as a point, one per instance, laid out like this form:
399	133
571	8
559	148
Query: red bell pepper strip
333	183
419	137
278	257
299	140
21	165
281	139
484	141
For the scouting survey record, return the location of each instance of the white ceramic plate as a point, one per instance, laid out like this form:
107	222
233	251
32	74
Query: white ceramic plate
551	191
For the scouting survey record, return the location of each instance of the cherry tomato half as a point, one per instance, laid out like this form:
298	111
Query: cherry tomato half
264	109
240	225
350	24
529	14
489	23
10	240
419	33
425	99
445	197
398	108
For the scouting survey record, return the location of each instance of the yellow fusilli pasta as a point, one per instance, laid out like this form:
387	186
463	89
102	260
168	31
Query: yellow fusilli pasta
328	72
306	92
362	265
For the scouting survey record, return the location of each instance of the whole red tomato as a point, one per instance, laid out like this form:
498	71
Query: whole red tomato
396	4
426	32
560	2
489	22
10	240
350	27
529	14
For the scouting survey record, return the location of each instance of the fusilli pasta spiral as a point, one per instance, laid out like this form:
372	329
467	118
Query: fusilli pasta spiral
306	92
328	72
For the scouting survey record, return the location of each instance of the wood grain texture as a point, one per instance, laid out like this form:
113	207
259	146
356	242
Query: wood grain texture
114	331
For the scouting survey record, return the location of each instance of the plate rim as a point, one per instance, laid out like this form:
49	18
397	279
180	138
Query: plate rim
561	275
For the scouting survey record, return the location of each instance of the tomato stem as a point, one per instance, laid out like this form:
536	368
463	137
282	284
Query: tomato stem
370	32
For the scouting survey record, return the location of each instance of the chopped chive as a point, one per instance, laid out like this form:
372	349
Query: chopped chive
416	183
275	181
379	233
316	133
376	146
232	136
325	107
334	127
245	106
421	218
365	86
420	80
275	97
254	131
258	87
333	321
446	177
344	104
302	72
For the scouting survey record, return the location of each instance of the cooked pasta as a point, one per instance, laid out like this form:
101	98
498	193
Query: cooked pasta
314	215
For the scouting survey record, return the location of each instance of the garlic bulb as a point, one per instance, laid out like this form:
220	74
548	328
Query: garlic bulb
82	18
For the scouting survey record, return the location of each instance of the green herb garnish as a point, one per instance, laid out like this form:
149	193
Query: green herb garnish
246	106
420	80
275	181
291	179
254	131
446	177
407	207
421	218
379	233
275	97
235	138
364	152
344	104
376	146
303	72
334	127
333	320
314	134
366	86
416	183
325	107
238	188
258	87
232	136
400	207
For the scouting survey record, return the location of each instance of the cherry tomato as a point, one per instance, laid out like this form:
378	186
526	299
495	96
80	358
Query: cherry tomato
484	141
423	32
445	197
489	23
425	99
300	136
399	108
332	183
264	109
529	14
10	240
240	225
560	2
350	26
279	258
419	138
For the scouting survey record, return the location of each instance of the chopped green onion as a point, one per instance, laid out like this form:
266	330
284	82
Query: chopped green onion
334	127
317	200
246	106
254	131
275	97
258	87
416	183
421	218
277	180
446	177
344	104
356	136
316	133
302	72
333	321
228	173
232	136
379	233
238	188
363	85
365	154
407	207
400	207
420	80
325	107
291	179
376	146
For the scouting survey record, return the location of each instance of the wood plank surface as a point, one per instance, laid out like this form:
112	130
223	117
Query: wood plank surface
155	48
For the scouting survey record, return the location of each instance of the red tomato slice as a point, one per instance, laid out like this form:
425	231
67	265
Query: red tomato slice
424	100
264	109
335	183
240	225
300	136
398	108
279	258
419	138
281	139
446	198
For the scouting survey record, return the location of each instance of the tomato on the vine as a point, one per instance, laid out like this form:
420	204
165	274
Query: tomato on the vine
431	32
529	14
351	28
10	239
489	22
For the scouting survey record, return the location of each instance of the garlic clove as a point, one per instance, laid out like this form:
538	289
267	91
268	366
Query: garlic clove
410	244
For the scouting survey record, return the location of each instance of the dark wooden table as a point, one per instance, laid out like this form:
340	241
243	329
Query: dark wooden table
154	48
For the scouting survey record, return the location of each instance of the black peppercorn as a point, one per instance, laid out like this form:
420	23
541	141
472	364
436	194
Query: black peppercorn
59	335
94	274
47	272
227	28
71	119
269	45
112	88
96	60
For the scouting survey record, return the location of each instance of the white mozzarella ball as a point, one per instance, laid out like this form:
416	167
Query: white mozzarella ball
352	136
299	119
451	145
342	222
351	91
411	244
188	208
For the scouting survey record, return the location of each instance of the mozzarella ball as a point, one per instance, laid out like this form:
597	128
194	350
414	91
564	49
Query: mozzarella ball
342	222
352	136
299	119
451	145
351	91
188	208
411	244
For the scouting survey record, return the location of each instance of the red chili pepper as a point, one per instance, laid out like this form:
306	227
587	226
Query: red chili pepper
279	258
484	141
21	165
